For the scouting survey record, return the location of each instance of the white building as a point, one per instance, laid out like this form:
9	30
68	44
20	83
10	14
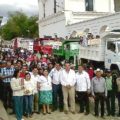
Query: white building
63	17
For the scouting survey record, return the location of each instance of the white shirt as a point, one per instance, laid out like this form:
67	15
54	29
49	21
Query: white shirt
29	85
35	79
45	83
82	81
16	87
67	78
55	75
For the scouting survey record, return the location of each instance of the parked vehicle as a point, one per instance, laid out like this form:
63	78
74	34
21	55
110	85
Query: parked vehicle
26	43
68	50
44	45
103	52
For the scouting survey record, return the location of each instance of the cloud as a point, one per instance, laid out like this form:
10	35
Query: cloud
29	10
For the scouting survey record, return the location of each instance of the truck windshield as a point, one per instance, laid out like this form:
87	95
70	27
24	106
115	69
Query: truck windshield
74	45
47	42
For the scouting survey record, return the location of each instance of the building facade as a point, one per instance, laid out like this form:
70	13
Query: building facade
62	17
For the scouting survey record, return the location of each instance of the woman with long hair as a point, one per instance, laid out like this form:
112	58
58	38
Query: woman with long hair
17	85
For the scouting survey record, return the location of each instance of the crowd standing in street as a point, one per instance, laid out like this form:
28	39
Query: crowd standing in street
34	83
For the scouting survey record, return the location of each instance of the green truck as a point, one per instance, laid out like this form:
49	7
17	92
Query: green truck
68	50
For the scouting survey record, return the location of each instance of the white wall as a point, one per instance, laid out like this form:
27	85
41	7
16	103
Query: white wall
75	5
53	25
57	28
40	5
104	5
49	7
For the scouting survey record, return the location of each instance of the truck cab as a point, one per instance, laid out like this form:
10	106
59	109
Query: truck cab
44	45
68	50
112	51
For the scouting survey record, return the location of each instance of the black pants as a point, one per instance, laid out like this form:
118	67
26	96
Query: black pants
110	102
83	99
1	90
99	98
118	95
57	96
7	95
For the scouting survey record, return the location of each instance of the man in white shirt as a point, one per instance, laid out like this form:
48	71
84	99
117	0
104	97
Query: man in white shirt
35	78
56	87
83	88
67	78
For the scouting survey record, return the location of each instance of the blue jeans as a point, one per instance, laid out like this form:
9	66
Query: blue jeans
28	104
57	96
18	106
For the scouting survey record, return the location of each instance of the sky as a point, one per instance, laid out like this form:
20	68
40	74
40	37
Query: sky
30	7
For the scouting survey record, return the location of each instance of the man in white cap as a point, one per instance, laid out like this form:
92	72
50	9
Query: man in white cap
99	91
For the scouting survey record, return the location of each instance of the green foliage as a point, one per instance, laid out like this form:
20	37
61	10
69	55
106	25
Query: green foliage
20	25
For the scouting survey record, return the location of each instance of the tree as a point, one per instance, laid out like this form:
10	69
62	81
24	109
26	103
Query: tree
20	25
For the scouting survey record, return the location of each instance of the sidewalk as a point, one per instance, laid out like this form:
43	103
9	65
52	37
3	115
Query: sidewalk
3	113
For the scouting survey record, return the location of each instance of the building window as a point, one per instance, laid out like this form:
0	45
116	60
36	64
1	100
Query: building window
89	5
55	6
117	5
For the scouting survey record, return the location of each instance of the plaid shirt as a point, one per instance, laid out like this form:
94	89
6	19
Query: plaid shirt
7	72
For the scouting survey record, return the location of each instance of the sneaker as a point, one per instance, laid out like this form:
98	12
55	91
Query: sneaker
61	110
66	112
11	113
80	112
44	113
30	115
73	112
87	113
102	117
38	112
49	112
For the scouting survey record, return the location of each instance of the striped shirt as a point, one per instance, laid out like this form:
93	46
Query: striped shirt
7	72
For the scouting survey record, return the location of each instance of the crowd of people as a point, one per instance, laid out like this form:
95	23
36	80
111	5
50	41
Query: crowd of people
33	83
